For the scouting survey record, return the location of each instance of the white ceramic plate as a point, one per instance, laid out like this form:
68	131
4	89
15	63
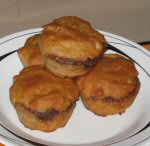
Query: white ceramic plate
84	127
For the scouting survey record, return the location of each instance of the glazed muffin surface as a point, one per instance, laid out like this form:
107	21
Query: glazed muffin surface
42	100
111	87
68	44
80	25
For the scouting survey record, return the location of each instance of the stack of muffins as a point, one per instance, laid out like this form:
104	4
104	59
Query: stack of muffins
64	62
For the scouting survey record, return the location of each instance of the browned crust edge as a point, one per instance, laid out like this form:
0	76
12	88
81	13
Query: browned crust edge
117	106
88	63
49	114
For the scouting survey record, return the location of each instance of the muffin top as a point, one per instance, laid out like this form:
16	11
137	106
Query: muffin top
71	37
113	76
33	40
30	54
81	25
39	90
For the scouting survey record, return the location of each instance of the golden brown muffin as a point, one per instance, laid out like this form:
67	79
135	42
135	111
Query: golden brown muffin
42	100
111	87
29	54
70	46
80	25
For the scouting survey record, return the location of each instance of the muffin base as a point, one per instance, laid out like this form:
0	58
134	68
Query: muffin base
110	106
29	120
65	67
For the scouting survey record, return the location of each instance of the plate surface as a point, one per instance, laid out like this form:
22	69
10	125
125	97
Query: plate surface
84	127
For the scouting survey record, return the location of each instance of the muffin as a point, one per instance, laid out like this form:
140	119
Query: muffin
70	46
80	25
29	54
42	100
111	86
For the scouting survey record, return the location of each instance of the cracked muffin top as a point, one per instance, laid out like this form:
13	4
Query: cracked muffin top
113	76
39	90
71	37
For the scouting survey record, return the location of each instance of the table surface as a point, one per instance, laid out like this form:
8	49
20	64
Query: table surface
147	46
129	19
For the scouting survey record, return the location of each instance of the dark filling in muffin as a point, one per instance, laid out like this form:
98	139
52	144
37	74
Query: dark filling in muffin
49	114
110	99
68	61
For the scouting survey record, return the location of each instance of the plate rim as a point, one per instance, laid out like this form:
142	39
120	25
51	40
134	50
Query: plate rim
37	30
